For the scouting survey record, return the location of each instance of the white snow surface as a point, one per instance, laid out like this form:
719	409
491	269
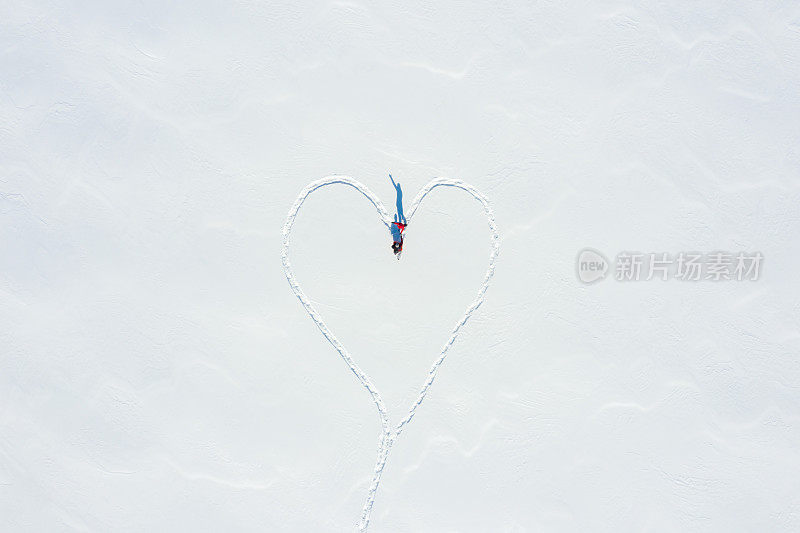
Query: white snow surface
157	372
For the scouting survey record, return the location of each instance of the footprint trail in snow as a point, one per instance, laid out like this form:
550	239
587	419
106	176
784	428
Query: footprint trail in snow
389	433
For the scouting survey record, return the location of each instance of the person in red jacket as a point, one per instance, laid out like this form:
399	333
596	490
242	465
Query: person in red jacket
397	236
400	221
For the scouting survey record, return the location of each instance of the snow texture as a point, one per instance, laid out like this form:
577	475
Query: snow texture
389	434
158	374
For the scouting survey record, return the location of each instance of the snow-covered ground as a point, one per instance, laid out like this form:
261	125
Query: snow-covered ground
157	372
